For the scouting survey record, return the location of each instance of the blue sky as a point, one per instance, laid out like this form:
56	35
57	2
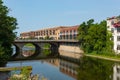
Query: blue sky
38	14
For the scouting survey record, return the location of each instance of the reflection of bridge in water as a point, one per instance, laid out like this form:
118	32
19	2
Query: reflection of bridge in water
27	53
54	46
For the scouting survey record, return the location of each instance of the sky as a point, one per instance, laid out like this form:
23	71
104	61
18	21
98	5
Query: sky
34	15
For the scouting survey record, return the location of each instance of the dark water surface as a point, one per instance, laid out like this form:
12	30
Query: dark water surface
85	68
61	69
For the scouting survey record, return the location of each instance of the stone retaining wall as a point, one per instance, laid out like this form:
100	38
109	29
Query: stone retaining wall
70	51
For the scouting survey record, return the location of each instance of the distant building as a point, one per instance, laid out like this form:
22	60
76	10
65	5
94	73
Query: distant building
69	32
62	32
113	25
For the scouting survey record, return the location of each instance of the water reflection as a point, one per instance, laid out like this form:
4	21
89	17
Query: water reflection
116	70
68	68
88	68
14	49
48	68
85	68
95	69
4	75
28	51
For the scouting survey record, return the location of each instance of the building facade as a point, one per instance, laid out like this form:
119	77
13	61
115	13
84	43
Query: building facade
113	25
69	32
62	32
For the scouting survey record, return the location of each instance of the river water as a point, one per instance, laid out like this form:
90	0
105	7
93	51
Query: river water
61	69
85	68
47	68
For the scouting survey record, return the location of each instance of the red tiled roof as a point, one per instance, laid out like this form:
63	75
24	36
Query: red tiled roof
111	18
25	32
52	28
116	24
70	28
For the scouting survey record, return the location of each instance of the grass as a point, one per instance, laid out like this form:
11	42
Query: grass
29	45
46	45
112	57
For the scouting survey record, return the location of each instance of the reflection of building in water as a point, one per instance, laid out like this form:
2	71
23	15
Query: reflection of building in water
68	68
54	62
116	72
65	67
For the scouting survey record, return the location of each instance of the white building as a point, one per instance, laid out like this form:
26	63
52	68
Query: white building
113	25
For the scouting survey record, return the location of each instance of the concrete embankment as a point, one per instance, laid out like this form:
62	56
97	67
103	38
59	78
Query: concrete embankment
76	52
74	49
70	51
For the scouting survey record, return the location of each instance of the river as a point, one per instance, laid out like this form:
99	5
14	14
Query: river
85	68
61	69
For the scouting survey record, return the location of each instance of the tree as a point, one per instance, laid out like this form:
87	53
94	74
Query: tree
94	37
7	34
83	34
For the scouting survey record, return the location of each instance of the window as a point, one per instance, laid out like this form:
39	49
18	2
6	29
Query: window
60	33
112	30
118	29
70	31
118	47
118	38
112	38
118	78
53	32
112	22
66	32
118	70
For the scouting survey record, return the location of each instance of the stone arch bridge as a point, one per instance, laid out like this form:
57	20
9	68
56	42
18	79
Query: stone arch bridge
55	44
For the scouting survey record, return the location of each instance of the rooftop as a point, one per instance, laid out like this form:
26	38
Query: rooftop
116	24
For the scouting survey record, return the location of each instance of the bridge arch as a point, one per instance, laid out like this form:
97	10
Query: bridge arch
19	49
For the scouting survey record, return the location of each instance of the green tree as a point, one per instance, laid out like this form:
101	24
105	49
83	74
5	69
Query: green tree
7	34
94	37
83	34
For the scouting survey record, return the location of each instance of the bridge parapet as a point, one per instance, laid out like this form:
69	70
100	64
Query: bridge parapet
46	41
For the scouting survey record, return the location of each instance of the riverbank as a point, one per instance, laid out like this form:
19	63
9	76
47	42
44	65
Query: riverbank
114	58
15	68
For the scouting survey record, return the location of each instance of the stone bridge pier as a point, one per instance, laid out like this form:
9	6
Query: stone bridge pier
18	50
54	48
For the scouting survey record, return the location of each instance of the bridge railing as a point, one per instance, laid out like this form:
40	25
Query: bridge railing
36	40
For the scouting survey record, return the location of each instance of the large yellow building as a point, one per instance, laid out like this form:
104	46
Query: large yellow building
61	32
